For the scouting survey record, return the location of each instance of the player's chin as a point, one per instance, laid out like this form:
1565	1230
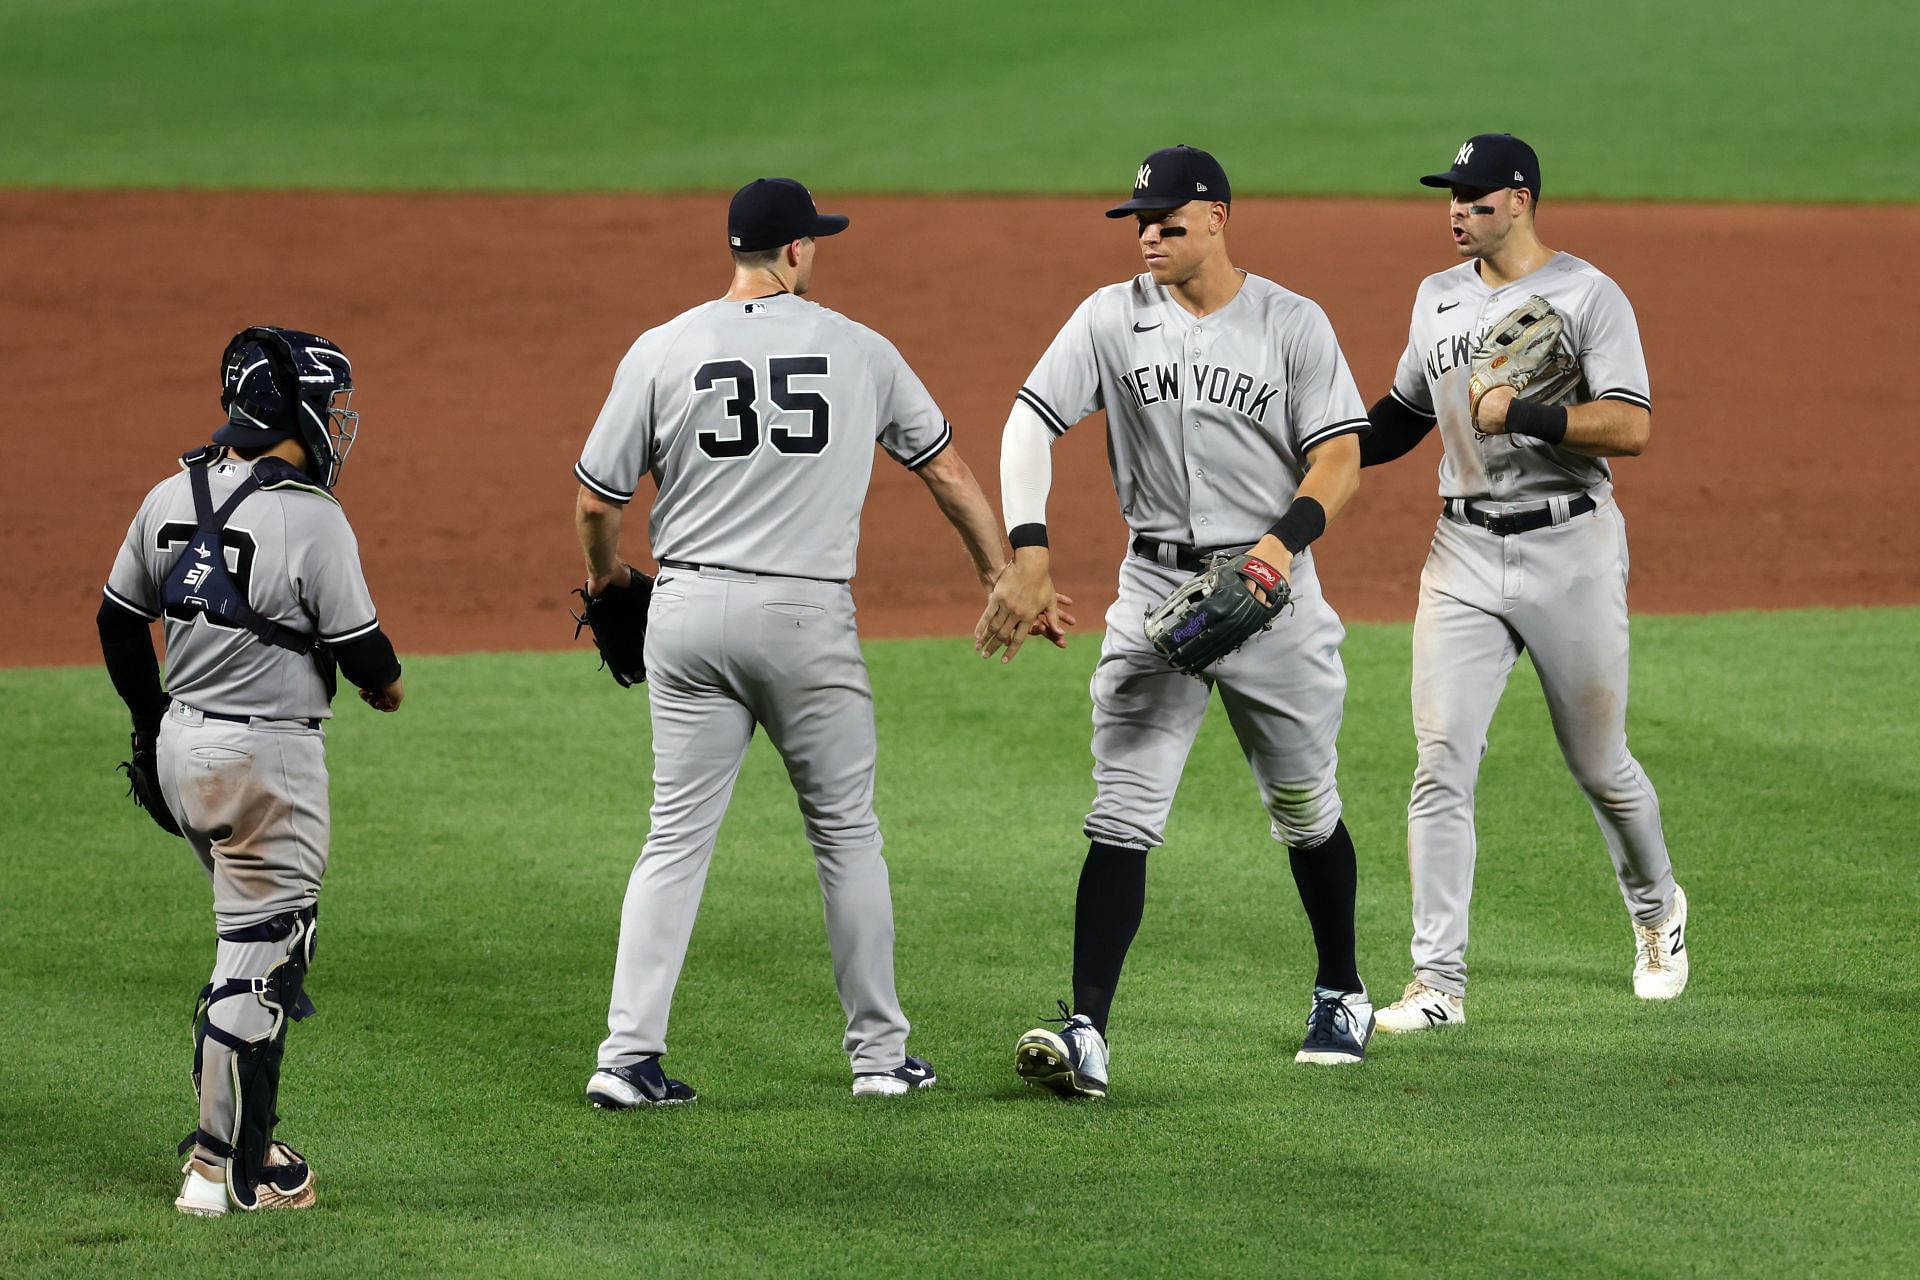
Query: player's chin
1163	271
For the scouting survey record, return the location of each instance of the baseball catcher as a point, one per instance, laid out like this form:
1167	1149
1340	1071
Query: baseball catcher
1213	613
617	619
1523	350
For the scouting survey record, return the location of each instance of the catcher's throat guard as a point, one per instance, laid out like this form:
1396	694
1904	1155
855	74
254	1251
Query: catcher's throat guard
1213	613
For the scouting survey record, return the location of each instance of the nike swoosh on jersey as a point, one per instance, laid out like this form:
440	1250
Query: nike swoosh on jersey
1448	306
1145	328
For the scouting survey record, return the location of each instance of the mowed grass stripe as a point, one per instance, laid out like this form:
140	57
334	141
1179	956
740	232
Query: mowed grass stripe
1637	99
1762	1124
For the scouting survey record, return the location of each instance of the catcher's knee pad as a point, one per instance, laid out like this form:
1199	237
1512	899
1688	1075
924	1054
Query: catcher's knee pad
240	1026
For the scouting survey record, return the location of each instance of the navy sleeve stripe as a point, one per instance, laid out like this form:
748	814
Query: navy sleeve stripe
352	633
606	491
1055	423
1411	405
1349	427
1630	397
932	451
129	605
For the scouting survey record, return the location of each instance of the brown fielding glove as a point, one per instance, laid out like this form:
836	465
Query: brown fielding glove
618	620
143	782
1207	617
1523	350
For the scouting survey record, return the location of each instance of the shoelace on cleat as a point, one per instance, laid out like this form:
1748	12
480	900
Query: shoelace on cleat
1323	1022
1651	950
1066	1014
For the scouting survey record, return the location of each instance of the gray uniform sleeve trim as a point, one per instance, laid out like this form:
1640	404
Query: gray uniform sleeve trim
130	606
1630	397
1348	427
608	492
1412	406
932	451
1055	423
353	633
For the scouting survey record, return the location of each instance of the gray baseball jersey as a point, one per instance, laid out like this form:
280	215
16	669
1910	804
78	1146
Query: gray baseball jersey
743	444
291	550
1453	308
1559	592
1209	420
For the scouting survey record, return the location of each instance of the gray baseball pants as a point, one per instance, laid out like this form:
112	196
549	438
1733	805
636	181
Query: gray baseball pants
1283	690
251	800
728	651
1561	593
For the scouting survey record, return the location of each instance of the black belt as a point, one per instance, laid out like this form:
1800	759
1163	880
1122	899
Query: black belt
217	715
1188	559
1514	522
695	568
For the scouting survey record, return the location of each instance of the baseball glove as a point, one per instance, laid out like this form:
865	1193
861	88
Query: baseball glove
1210	615
1523	350
143	782
618	619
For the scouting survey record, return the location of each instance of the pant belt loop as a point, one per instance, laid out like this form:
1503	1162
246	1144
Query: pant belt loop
1558	507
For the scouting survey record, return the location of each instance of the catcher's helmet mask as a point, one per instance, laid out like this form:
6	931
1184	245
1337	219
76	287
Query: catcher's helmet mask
258	367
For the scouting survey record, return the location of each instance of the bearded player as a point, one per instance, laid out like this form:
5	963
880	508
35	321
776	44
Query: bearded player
1530	552
1233	426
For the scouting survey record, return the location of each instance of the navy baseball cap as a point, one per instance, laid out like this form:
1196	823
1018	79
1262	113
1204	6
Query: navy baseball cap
1172	176
1490	161
770	212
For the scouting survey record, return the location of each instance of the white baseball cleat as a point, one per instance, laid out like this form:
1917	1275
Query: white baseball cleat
1660	953
1071	1061
914	1073
201	1196
1421	1008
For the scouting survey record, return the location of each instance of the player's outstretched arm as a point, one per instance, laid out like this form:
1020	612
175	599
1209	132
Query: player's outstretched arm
950	480
1023	601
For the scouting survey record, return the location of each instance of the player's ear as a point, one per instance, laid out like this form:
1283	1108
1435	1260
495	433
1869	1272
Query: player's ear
1217	216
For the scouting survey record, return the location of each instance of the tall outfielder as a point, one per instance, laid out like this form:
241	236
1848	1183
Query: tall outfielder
756	416
251	563
1530	361
1233	429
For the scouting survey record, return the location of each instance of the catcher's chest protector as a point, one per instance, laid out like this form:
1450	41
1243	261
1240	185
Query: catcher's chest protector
200	581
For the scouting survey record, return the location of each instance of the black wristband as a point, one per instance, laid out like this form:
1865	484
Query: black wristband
1305	520
1027	535
1541	421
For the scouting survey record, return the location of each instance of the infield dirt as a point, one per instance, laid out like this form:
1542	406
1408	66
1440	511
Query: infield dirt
484	332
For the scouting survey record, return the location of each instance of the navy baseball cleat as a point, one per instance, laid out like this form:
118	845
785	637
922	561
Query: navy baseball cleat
638	1084
914	1073
1338	1028
1071	1061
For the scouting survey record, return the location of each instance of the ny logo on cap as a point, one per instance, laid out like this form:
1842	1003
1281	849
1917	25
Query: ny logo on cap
1141	178
1466	153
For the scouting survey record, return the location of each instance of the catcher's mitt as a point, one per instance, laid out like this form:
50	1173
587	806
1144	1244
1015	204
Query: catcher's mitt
143	782
618	619
1208	616
1523	351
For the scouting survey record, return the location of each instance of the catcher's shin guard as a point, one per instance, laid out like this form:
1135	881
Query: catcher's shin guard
247	1053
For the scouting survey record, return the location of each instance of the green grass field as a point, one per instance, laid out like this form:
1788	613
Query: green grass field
1759	100
1762	1124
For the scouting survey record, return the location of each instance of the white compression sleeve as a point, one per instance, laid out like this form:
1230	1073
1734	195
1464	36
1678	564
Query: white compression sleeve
1026	468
